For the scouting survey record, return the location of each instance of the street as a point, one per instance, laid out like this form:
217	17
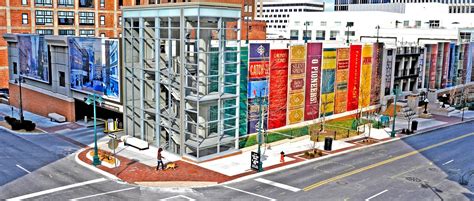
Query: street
424	167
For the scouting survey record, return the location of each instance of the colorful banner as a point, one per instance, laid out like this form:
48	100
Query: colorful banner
377	59
243	107
445	65
365	76
428	48
328	81
313	80
278	88
296	84
354	77
439	65
257	89
465	56
342	75
470	57
452	65
434	58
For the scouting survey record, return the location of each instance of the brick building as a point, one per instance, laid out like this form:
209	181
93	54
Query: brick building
99	18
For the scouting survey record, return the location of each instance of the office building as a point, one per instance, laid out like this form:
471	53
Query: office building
454	6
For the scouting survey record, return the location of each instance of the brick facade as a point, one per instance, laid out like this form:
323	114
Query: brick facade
41	104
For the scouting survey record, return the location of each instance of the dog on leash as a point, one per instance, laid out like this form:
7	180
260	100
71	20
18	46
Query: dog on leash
171	166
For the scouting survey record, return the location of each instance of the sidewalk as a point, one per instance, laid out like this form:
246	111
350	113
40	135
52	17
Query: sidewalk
139	166
42	123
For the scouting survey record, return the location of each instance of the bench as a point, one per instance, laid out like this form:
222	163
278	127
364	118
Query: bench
56	117
137	143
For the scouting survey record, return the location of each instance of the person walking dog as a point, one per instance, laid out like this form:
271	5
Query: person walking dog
159	159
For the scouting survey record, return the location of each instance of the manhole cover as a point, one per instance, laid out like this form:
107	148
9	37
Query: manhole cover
433	169
413	179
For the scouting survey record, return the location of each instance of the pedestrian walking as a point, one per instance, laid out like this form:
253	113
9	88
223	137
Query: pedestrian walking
282	157
160	158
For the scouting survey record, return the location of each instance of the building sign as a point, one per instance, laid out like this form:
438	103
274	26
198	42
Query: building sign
95	66
342	75
254	160
328	82
365	76
354	77
258	69
278	88
257	89
296	84
33	56
313	80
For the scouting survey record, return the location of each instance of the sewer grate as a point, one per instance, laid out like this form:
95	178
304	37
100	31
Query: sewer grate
413	179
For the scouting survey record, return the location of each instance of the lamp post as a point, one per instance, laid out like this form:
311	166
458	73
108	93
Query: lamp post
348	25
395	92
19	81
260	127
92	99
306	32
378	29
426	106
246	8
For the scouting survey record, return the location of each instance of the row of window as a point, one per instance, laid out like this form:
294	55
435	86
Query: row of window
65	3
68	32
45	17
282	10
322	23
284	15
277	26
276	21
320	34
461	9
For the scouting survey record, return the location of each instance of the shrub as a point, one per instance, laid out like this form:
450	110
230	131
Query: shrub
311	154
9	119
28	125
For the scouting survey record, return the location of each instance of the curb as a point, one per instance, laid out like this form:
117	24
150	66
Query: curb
93	168
337	154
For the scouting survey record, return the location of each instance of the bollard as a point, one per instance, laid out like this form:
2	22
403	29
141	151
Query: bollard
335	135
348	133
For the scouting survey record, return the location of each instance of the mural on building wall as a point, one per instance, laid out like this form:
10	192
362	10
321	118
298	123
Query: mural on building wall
33	57
365	76
328	82
278	88
313	80
296	84
257	89
377	59
342	76
354	77
95	66
243	91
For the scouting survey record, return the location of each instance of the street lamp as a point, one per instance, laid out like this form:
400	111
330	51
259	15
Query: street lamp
426	106
348	25
396	23
305	35
260	127
20	80
395	92
92	99
378	29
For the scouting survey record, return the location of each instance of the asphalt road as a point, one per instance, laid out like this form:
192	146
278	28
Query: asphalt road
423	167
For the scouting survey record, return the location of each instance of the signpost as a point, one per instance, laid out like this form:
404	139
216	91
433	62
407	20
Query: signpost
254	160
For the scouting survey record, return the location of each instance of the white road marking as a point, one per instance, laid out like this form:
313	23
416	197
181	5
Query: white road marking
99	194
279	185
373	196
22	168
57	189
250	193
178	196
448	162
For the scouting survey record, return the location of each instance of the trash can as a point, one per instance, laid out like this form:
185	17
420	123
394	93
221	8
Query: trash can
414	125
327	144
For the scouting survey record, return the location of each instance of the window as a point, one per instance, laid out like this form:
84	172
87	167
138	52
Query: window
406	23
320	35
294	34
66	17
337	23
102	35
120	21
66	3
465	36
417	24
434	23
48	3
44	31
333	35
24	2
87	32
213	119
15	66
44	17
352	33
86	18
297	23
67	32
62	79
323	23
86	3
24	18
102	20
307	35
102	3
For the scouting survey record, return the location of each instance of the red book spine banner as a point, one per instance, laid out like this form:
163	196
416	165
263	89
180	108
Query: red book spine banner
445	70
278	88
377	59
313	80
365	76
342	74
296	84
434	58
354	77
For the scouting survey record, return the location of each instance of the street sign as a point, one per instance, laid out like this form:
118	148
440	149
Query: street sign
254	160
113	136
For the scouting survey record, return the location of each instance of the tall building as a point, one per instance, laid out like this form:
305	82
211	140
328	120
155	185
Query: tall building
277	13
99	18
455	6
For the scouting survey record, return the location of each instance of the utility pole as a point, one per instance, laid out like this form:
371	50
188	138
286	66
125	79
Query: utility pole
20	80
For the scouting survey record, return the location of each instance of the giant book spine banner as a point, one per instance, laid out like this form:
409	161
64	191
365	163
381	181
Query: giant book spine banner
296	84
313	80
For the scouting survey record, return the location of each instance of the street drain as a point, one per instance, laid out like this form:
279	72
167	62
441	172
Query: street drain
413	179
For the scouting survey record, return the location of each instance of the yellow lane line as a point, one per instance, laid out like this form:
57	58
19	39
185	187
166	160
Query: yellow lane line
347	174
